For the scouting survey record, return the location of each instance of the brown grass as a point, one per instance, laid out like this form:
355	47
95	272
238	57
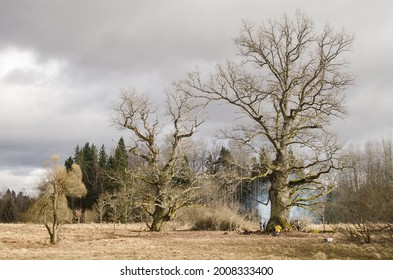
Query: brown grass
93	241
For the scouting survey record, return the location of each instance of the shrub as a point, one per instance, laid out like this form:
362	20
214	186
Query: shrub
90	216
305	223
302	224
220	218
357	232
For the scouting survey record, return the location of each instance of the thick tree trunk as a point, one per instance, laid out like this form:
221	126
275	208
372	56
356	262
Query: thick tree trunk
280	200
159	217
279	212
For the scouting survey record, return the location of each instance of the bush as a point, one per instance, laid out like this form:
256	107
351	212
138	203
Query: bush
366	232
302	224
355	233
90	216
221	218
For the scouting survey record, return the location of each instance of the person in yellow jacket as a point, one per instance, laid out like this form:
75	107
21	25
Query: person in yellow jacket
277	230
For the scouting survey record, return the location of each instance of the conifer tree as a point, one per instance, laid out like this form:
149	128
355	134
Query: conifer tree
121	156
102	157
68	163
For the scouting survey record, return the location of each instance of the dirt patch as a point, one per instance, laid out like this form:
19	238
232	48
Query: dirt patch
84	241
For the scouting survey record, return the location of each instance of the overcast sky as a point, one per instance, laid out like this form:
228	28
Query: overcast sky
62	64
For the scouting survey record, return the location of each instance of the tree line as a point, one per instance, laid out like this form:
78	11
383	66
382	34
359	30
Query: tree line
13	206
362	193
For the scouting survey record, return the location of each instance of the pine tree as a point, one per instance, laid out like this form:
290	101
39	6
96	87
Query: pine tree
100	171
121	156
117	166
77	155
68	163
102	157
225	159
89	166
87	159
182	176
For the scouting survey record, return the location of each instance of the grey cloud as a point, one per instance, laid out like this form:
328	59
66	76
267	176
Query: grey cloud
22	76
114	35
109	45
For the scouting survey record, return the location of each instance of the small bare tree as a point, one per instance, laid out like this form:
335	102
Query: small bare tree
51	205
289	86
165	185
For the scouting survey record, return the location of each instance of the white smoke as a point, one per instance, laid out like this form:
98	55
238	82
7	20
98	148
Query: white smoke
263	210
296	213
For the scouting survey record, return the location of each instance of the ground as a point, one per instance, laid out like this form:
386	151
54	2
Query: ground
120	242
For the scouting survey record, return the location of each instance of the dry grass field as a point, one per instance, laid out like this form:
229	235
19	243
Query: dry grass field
106	242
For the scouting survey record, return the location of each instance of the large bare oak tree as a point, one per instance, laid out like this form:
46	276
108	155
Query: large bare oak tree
289	83
162	178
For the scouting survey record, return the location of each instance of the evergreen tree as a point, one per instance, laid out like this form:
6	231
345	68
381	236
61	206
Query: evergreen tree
209	164
225	159
111	162
101	173
102	157
121	156
102	170
89	166
77	154
87	159
68	163
117	163
182	176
